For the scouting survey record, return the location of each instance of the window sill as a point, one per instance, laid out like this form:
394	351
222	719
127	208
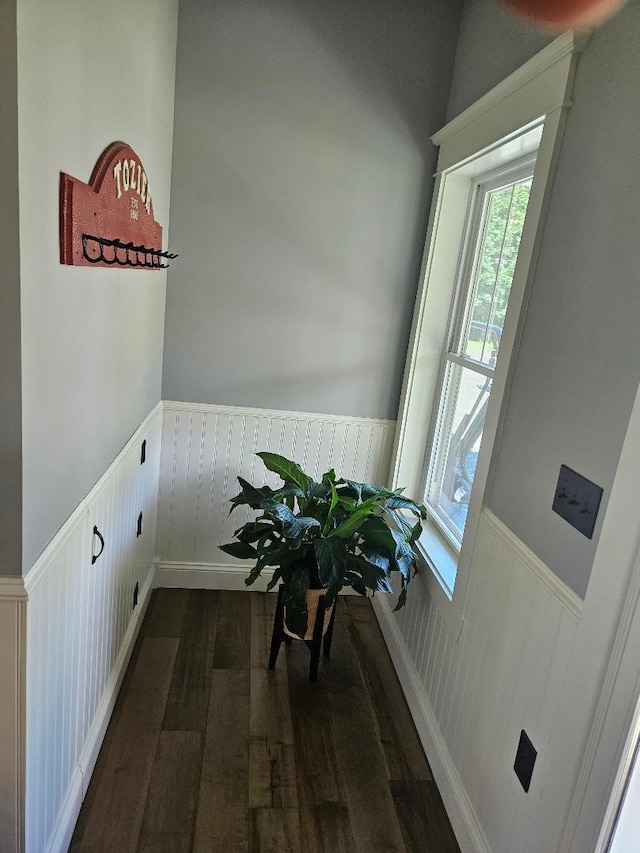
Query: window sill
437	568
439	557
439	564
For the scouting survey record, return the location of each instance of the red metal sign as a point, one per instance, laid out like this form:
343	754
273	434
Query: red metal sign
109	221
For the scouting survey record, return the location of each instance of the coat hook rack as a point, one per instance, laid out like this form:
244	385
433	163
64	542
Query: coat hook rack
109	222
134	256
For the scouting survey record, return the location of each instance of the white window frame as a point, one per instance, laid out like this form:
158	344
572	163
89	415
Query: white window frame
523	114
469	255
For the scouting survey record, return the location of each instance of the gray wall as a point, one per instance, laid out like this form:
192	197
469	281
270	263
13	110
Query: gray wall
91	338
10	392
578	368
300	192
492	43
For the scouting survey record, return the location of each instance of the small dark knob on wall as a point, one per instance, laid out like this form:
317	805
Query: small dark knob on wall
97	533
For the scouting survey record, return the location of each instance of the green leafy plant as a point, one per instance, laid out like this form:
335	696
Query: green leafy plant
326	534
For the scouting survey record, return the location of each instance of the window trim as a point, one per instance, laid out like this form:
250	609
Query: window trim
524	112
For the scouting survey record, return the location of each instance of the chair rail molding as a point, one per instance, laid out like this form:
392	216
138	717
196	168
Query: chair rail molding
570	600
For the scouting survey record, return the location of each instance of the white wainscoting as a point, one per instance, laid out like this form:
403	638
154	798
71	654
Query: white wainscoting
472	697
204	449
81	627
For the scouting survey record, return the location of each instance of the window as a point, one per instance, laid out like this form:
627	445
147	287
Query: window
495	163
480	301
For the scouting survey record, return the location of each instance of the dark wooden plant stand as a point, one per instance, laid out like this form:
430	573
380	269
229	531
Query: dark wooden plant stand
279	635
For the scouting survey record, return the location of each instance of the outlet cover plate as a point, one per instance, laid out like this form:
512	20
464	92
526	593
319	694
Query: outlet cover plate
577	500
525	760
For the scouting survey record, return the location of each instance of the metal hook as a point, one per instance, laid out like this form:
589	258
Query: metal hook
152	257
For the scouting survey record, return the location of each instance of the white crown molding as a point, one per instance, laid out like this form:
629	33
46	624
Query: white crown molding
177	406
570	600
566	44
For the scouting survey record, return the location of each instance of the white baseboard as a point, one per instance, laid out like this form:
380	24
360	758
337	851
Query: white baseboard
213	576
464	820
77	790
68	815
208	576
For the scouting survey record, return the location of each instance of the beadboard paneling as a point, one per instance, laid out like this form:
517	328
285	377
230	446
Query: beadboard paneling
471	697
204	449
80	631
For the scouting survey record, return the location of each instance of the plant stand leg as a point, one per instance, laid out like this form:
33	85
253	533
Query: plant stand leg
278	629
328	637
316	643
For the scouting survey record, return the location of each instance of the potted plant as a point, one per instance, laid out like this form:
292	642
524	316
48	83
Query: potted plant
325	535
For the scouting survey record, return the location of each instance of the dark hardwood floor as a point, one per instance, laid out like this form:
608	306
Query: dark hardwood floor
208	750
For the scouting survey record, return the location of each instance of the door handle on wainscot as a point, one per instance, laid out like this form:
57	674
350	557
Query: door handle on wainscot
97	533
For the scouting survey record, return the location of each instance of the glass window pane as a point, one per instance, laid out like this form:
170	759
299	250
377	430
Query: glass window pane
501	231
457	442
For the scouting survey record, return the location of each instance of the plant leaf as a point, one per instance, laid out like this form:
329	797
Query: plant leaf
405	560
254	574
293	526
416	532
335	585
402	523
371	575
376	533
334	499
366	491
254	496
287	470
348	502
241	550
330	556
319	491
397	502
277	574
287	491
295	601
330	517
377	559
253	531
355	581
402	599
384	585
354	522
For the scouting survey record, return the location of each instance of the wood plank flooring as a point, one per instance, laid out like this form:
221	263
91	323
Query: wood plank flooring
210	752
